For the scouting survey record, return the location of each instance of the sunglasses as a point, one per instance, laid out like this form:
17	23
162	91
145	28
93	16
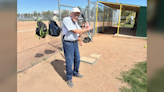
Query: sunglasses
76	15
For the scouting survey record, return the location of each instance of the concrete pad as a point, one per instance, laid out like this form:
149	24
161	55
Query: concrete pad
88	60
95	55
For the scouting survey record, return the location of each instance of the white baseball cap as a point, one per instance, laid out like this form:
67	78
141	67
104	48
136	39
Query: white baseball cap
76	10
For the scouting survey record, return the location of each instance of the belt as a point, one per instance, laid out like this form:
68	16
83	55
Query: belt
71	41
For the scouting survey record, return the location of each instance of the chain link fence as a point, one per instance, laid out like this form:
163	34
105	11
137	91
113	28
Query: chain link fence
104	18
30	50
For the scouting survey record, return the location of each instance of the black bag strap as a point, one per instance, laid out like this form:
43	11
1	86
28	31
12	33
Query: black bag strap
63	38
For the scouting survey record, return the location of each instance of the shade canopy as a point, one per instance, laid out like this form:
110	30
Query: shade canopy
128	7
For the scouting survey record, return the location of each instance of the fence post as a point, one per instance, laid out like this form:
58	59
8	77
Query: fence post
60	24
108	17
103	19
89	10
94	17
119	19
86	13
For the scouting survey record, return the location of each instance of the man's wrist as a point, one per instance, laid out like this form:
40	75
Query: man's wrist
85	30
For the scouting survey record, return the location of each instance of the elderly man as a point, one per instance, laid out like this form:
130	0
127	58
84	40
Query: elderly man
71	32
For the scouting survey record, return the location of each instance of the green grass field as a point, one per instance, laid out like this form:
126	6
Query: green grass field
136	78
126	25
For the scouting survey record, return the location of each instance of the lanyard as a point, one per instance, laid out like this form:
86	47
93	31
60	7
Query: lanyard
74	23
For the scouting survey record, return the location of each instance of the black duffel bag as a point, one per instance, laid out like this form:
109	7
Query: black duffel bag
54	29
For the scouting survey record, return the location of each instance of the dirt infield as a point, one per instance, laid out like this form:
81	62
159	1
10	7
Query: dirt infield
118	54
28	25
26	35
30	49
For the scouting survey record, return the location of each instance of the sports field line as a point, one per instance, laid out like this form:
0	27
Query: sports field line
25	30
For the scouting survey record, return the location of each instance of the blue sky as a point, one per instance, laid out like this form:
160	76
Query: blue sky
29	6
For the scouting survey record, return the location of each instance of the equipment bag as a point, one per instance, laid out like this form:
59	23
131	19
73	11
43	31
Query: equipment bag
86	40
54	29
41	30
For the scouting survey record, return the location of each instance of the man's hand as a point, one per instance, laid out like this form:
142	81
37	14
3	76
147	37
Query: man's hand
87	26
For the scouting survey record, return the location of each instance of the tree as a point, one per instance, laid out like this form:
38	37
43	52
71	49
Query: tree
47	15
65	12
35	13
38	14
18	14
25	15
